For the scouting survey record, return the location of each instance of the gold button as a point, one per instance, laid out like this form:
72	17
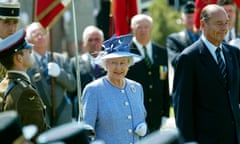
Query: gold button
150	100
150	86
149	73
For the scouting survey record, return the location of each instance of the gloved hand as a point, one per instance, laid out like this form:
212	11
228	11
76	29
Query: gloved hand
53	69
141	129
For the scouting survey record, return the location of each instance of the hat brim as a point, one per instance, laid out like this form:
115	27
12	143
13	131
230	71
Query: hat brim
136	58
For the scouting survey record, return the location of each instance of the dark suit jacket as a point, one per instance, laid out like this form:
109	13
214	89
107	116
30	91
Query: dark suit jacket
155	85
87	73
205	111
176	43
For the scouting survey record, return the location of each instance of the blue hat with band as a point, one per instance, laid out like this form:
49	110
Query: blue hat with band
117	47
9	10
14	43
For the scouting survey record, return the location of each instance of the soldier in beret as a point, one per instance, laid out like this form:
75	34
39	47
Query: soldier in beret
9	16
16	91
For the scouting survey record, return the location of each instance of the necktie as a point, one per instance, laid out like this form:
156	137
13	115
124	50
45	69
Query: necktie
147	58
96	71
44	63
221	65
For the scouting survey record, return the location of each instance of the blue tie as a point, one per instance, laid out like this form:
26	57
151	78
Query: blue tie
44	63
221	65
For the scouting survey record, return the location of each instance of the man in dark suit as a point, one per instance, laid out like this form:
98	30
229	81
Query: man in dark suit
89	69
16	90
206	84
177	42
151	71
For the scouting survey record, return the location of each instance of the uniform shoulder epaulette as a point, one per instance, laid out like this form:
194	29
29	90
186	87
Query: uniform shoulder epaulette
23	83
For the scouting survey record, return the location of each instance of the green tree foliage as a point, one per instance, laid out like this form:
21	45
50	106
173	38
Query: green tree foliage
166	20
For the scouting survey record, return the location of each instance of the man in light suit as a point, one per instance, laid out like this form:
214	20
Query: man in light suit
44	74
151	71
205	93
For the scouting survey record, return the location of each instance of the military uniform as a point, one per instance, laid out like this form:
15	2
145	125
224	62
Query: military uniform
8	11
23	98
16	91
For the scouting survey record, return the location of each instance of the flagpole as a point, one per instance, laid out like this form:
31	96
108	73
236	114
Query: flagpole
80	116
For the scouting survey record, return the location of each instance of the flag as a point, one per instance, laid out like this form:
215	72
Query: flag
199	4
237	3
47	12
123	11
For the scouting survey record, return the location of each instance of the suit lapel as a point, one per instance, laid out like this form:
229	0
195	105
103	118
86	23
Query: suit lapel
229	63
134	49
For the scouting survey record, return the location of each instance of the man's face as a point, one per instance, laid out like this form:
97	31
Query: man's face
8	27
94	43
188	21
25	58
39	38
142	31
216	27
231	14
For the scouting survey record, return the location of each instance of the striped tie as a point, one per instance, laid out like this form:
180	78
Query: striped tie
221	65
147	58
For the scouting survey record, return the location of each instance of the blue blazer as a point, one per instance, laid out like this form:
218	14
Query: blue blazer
205	111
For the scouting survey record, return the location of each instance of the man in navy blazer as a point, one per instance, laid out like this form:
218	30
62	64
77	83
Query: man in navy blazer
206	106
154	78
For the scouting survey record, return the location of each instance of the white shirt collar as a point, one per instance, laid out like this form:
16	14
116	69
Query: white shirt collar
212	48
140	48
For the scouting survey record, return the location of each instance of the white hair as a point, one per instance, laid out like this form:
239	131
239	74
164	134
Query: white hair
140	17
88	30
32	27
104	62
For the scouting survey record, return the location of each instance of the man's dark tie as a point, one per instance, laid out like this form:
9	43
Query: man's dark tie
221	65
96	71
147	58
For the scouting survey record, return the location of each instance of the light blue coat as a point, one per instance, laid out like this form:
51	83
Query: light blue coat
113	112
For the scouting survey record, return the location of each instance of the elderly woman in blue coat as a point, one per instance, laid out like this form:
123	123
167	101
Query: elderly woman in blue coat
113	105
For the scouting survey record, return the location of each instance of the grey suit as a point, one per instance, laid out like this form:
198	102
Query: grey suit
63	83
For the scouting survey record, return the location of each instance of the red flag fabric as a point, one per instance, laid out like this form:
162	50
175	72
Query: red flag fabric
237	3
199	4
123	11
48	11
